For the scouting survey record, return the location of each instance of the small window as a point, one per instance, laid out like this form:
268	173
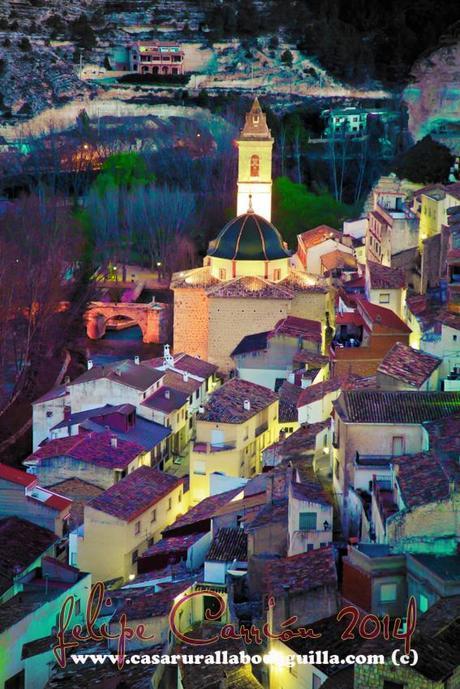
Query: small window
293	669
137	528
49	413
423	603
180	497
388	593
169	503
222	274
384	298
255	165
77	606
277	274
134	556
153	517
307	521
454	337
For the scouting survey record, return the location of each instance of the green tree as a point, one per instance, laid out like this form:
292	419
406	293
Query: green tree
123	170
287	58
427	161
297	209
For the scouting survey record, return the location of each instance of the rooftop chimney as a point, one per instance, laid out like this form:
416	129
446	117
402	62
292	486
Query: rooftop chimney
168	359
247	405
114	441
90	364
201	410
137	360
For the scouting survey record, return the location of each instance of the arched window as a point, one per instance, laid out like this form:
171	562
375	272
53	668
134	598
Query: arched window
255	165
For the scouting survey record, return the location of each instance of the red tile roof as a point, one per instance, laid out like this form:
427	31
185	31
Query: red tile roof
166	399
338	259
226	404
317	391
194	365
80	492
58	502
93	448
289	395
302	440
135	493
125	372
349	318
384	277
229	544
142	603
400	407
378	315
173	543
22	478
298	327
421	479
319	234
301	573
204	511
409	365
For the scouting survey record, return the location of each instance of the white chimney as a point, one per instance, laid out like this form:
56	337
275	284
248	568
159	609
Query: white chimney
185	376
90	364
168	393
247	405
137	360
201	410
114	441
168	359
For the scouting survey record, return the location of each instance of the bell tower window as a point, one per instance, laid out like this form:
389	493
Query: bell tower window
255	165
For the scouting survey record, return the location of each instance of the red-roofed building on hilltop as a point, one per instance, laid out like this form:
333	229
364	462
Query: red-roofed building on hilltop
125	520
22	496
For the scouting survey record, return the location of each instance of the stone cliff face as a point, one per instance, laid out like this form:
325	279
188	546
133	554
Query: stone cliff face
433	97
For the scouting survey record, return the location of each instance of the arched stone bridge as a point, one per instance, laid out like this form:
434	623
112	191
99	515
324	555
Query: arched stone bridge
154	319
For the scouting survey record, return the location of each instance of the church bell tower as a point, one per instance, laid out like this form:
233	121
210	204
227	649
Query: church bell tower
255	164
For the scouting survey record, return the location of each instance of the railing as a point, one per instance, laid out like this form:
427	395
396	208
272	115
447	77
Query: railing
206	448
262	428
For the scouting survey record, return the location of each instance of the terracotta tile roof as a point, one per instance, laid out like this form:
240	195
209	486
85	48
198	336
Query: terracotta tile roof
309	488
93	448
21	543
400	407
384	277
228	545
304	572
289	394
143	603
80	492
22	478
135	493
445	434
319	234
251	343
246	504
173	543
194	365
298	327
338	259
317	391
431	484
251	287
313	360
302	440
124	372
274	512
166	399
204	511
378	315
177	382
409	365
226	404
349	318
53	394
297	281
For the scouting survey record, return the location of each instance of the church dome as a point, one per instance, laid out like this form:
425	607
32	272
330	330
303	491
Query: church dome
249	237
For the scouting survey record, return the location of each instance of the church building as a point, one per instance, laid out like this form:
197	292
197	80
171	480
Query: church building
248	281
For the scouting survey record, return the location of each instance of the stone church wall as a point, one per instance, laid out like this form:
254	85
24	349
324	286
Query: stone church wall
191	322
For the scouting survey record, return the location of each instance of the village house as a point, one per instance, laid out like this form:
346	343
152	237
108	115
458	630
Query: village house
239	420
363	337
156	57
310	440
267	358
189	550
431	578
22	496
31	613
313	244
392	228
405	368
386	286
96	457
310	512
228	551
373	426
124	520
198	519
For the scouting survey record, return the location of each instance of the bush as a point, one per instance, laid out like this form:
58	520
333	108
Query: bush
287	58
153	79
24	44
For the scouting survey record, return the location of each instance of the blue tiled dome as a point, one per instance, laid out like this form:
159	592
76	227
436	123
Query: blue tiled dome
249	237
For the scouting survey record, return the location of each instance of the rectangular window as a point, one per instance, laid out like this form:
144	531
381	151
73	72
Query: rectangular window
277	274
423	603
222	274
169	503
388	593
384	298
153	517
77	606
137	528
307	521
180	497
199	468
134	556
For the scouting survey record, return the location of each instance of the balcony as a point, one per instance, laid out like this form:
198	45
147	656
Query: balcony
207	448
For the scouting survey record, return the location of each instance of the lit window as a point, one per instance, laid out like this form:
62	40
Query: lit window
388	593
255	165
277	274
423	604
384	298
